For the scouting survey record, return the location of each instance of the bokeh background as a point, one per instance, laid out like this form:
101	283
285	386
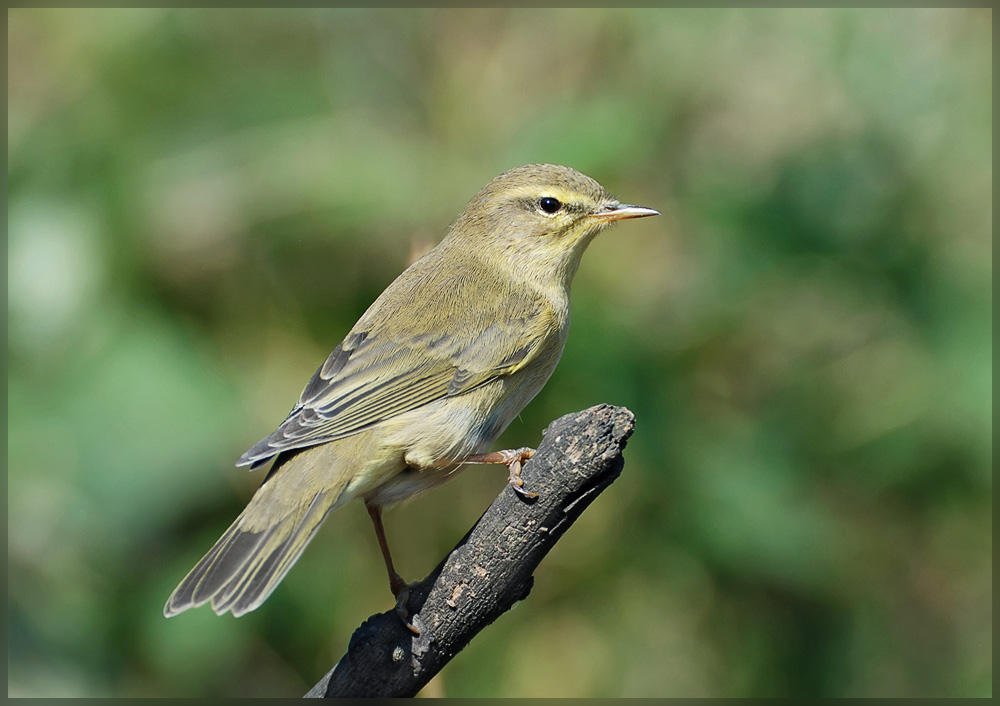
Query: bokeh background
201	203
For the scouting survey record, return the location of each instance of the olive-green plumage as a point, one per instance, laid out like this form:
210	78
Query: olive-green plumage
430	375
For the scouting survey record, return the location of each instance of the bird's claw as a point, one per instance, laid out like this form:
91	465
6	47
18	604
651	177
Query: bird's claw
516	458
402	596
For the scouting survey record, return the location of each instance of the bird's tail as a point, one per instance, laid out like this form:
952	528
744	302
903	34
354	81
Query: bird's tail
259	548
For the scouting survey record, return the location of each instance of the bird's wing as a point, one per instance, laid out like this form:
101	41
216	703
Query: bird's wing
374	375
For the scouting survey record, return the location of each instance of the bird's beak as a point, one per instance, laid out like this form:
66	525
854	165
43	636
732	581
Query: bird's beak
620	211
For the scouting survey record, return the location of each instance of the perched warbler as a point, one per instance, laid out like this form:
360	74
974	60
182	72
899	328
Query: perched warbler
427	379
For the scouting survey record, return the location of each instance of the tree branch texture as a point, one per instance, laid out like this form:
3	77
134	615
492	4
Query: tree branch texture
491	567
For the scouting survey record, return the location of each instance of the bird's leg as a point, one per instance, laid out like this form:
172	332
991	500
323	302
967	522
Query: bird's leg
513	459
396	582
400	589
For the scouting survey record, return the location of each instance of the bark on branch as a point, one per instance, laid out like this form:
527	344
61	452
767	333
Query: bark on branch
491	568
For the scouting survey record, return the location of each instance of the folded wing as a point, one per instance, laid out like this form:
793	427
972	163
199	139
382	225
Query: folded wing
386	367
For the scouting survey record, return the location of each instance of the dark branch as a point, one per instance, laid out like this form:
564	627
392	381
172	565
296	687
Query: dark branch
491	568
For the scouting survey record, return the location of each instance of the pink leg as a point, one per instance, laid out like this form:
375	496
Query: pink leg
400	589
513	459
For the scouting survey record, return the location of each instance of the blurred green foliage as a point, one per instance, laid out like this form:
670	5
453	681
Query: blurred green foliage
202	202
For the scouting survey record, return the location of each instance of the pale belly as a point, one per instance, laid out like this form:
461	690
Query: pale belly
420	449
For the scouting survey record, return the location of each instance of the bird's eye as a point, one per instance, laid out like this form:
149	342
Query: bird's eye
549	204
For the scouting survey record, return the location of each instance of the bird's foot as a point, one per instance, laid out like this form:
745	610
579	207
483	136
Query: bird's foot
513	459
514	462
401	590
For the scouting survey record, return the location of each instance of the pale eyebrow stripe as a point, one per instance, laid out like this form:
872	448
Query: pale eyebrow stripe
533	193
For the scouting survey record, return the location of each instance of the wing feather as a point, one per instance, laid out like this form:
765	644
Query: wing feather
386	367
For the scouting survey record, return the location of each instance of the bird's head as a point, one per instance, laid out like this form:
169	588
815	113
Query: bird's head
539	219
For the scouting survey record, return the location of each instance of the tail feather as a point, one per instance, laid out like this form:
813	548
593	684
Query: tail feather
254	554
247	589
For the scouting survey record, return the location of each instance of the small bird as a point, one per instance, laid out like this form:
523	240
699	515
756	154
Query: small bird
436	368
